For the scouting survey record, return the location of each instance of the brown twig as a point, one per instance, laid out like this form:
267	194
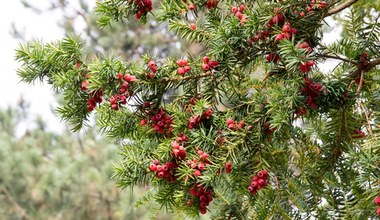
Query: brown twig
336	57
340	7
165	80
360	82
367	118
367	68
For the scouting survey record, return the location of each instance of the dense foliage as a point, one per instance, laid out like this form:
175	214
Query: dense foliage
207	132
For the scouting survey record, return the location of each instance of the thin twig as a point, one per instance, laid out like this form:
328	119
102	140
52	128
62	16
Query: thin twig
340	7
367	117
337	58
360	82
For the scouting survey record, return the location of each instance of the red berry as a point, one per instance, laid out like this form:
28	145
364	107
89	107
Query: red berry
193	26
187	69
228	167
310	63
197	173
377	200
279	37
214	63
230	121
153	167
206	59
265	173
143	122
308	8
302	14
181	71
322	5
205	67
254	184
287	28
84	85
119	76
378	211
242	7
203	211
234	9
192	6
151	63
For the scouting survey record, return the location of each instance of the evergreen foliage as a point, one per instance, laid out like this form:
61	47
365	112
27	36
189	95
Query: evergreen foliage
316	134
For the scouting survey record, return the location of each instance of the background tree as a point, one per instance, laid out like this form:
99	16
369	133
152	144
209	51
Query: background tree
49	176
295	145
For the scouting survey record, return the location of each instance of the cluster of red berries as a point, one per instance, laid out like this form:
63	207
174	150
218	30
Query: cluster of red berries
359	134
183	67
313	5
363	60
287	33
95	97
203	197
377	202
160	121
239	13
278	19
144	6
259	181
196	120
305	67
273	57
181	138
153	67
233	125
304	45
311	90
260	35
207	64
211	4
166	171
198	164
121	98
179	151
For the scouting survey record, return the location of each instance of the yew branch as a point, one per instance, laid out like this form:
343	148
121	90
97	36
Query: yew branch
340	8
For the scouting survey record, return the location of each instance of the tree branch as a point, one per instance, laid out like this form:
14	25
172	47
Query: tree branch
337	58
340	7
367	68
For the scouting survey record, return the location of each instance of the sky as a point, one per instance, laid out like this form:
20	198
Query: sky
45	27
34	26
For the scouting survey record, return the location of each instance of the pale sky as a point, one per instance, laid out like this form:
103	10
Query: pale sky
35	26
45	27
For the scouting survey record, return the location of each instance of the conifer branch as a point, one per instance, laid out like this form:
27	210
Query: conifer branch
340	7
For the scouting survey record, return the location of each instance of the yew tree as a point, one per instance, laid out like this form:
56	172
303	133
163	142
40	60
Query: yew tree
250	128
